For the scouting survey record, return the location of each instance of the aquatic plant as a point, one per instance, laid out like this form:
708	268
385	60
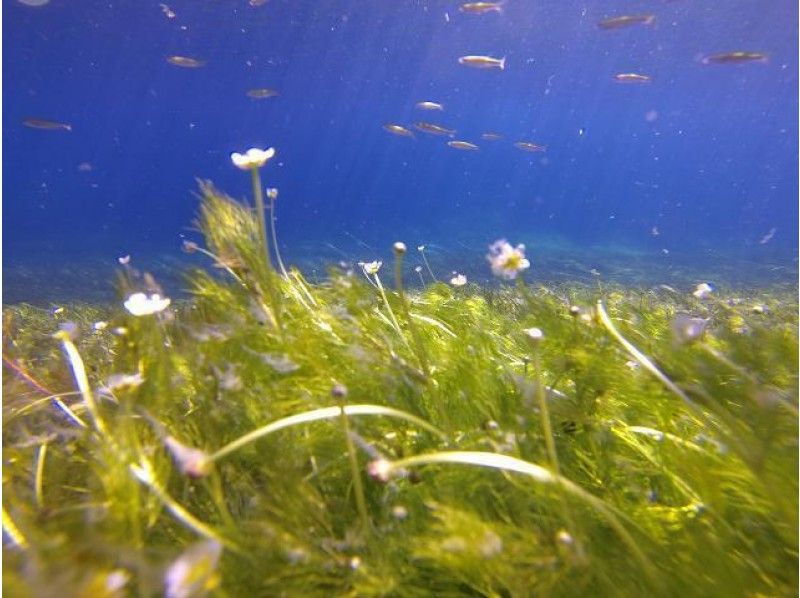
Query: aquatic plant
556	440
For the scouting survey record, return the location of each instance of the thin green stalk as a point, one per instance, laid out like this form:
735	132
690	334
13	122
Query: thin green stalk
355	471
261	213
642	358
41	454
319	414
262	227
275	236
386	469
412	327
79	373
428	266
395	323
145	474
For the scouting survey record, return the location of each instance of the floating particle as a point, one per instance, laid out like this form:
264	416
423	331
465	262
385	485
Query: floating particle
85	167
651	116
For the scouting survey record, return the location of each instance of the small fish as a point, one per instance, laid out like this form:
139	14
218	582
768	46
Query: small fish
462	145
185	62
491	136
768	237
257	2
46	125
734	57
632	78
527	146
626	21
434	129
483	62
429	106
479	8
168	12
398	130
261	92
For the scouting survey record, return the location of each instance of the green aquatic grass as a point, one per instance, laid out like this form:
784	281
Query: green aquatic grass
347	438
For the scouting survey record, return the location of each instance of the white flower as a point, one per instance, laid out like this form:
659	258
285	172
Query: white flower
534	334
507	261
703	290
371	267
194	572
272	193
191	461
253	158
458	280
140	304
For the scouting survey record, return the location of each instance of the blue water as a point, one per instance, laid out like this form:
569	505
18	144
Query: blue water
705	153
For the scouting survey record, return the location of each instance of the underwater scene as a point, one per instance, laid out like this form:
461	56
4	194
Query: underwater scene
409	298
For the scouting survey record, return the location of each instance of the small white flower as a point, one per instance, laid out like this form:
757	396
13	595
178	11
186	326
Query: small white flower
507	261
272	193
191	461
459	280
99	326
193	573
534	334
253	158
371	267
703	290
140	304
418	269
124	260
380	469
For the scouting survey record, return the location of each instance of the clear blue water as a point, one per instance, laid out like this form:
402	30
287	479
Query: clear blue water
705	153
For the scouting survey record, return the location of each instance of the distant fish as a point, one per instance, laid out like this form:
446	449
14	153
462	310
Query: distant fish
479	8
257	2
398	130
462	145
491	136
429	106
434	129
46	125
527	146
261	92
734	57
483	62
768	237
185	62
168	12
632	78
626	21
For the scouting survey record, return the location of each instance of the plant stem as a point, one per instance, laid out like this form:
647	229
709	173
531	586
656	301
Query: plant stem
261	213
398	283
275	237
355	472
262	225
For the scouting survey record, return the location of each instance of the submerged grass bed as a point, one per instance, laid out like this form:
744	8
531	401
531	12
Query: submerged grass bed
274	437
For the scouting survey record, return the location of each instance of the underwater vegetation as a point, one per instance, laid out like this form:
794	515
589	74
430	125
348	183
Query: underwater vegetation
353	437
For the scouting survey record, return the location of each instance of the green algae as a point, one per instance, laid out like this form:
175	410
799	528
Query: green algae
396	443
